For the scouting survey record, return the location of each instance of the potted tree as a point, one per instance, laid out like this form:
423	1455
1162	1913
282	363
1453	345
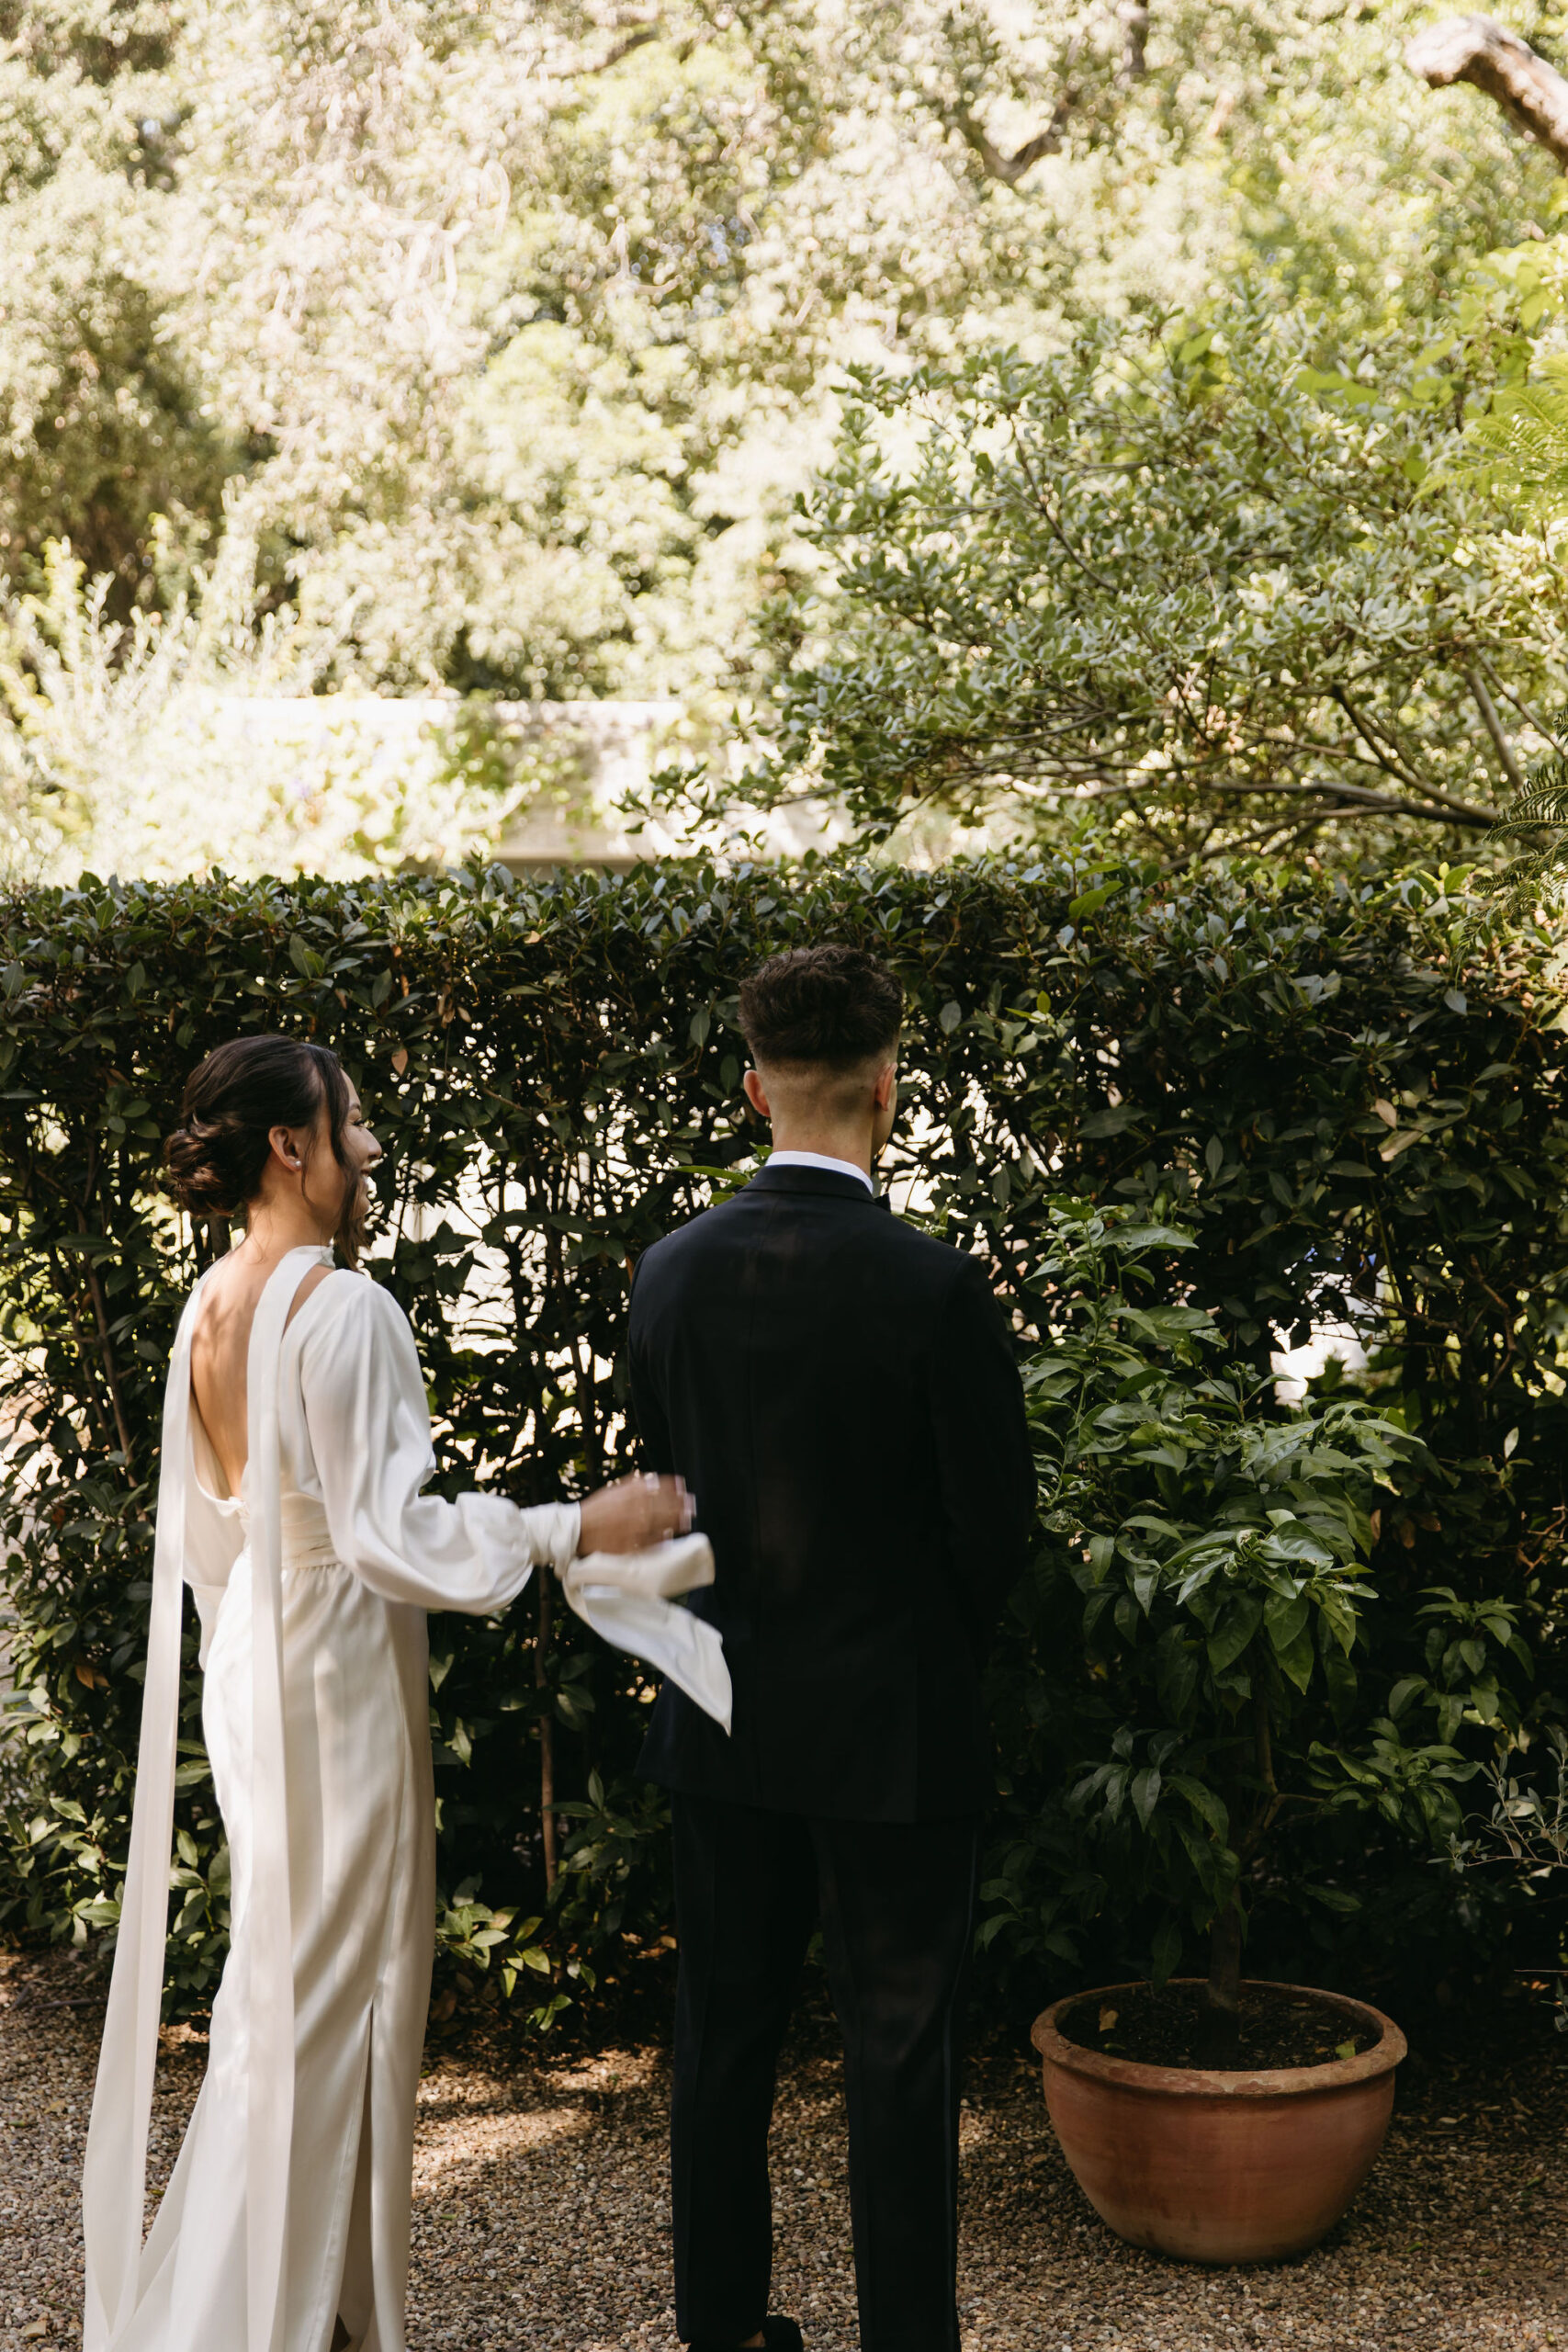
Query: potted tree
1218	1542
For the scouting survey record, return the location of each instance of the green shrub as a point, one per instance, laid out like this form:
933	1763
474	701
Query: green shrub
1351	1098
1219	1543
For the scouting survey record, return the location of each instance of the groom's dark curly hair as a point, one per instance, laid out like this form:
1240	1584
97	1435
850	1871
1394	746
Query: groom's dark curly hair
831	1004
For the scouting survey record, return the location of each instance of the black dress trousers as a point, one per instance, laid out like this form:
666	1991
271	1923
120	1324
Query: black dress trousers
896	1901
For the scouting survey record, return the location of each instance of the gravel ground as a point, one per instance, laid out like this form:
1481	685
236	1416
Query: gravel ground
541	2221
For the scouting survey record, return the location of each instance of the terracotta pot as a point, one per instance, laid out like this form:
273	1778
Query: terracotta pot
1221	2168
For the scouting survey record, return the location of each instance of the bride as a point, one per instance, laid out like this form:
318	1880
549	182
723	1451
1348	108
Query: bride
295	1442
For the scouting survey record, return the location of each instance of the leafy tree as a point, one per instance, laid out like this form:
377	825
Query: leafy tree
103	422
525	321
1190	581
1220	1545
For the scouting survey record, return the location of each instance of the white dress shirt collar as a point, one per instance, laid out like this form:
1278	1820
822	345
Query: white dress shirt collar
819	1159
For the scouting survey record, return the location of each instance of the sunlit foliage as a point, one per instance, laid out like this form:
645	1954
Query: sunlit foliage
524	320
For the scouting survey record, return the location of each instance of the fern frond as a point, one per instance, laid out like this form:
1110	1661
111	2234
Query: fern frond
1519	448
1542	801
1540	807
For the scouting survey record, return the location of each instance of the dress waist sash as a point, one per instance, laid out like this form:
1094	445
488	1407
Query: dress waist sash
305	1539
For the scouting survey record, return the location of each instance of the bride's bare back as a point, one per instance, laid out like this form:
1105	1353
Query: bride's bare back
220	1344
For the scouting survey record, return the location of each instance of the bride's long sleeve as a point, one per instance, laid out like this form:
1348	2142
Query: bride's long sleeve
365	1407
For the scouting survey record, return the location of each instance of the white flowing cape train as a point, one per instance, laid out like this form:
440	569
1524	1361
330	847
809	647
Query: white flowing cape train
312	1589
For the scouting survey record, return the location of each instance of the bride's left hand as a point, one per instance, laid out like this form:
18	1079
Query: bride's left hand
634	1513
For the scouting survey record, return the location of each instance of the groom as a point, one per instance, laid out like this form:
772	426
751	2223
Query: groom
840	1393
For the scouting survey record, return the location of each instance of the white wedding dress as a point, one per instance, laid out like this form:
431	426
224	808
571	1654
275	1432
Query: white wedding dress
289	2201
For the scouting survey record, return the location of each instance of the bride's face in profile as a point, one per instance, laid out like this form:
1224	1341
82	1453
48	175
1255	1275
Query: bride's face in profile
335	1192
361	1151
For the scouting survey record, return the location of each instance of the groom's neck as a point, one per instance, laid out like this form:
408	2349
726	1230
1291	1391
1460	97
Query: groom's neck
827	1141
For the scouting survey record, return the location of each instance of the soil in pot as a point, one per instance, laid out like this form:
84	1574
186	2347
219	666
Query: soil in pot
1166	2029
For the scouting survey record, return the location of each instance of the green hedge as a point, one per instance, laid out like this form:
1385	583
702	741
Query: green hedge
1348	1094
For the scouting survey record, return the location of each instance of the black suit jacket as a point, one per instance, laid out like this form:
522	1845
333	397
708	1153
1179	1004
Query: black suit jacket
841	1395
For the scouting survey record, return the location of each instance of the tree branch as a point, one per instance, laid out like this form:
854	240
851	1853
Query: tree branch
1526	713
111	1373
1532	93
636	39
1493	725
1134	16
1010	169
89	1384
1348	799
1385	755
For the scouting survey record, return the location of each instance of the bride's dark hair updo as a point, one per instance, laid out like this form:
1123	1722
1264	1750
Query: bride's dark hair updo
233	1102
